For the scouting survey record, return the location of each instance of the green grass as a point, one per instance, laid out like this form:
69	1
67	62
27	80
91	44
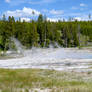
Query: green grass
11	80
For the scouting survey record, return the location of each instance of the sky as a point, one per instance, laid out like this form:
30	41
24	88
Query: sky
53	9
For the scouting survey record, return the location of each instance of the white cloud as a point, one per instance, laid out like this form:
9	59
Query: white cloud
74	8
7	1
56	12
18	2
47	1
25	12
45	10
54	19
78	18
82	18
41	1
25	19
83	5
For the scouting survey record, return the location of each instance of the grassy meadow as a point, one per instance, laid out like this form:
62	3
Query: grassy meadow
37	80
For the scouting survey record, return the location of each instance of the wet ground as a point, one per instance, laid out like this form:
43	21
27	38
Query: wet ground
58	59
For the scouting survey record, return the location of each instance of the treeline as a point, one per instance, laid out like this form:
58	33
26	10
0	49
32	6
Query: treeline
42	33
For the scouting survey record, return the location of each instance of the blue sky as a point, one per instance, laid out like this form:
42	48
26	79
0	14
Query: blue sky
53	9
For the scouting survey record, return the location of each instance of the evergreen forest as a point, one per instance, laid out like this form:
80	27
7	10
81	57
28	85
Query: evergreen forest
42	33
